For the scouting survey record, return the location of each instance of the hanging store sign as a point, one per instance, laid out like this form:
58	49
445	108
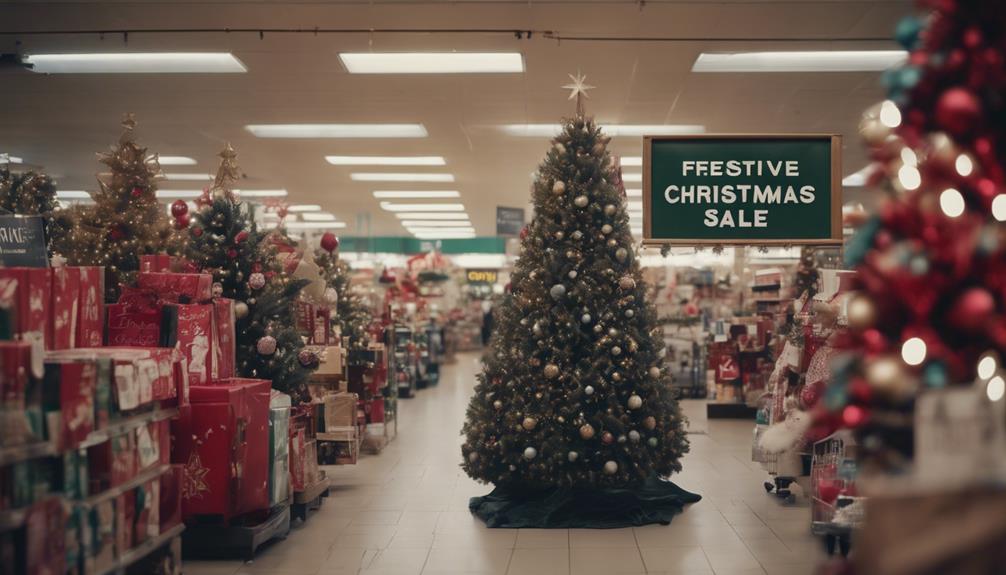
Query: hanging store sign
482	276
742	189
22	242
509	221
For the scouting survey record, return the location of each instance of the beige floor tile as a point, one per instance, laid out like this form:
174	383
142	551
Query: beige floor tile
496	538
540	561
400	561
606	560
408	539
601	538
542	538
472	559
689	560
373	517
212	567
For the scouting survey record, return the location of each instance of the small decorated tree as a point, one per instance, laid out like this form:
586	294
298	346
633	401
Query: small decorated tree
352	313
223	240
574	395
126	221
34	194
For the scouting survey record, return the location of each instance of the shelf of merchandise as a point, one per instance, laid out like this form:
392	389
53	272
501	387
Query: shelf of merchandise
133	483
17	453
142	550
126	425
403	361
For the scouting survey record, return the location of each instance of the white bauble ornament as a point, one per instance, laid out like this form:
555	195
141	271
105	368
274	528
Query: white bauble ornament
610	209
530	453
606	229
559	187
572	274
616	351
240	309
610	468
635	402
331	296
557	291
630	313
498	404
585	318
581	201
655	372
572	456
634	436
577	234
589	390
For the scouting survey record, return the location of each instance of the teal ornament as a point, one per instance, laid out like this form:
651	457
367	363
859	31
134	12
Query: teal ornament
908	77
907	31
919	265
935	375
860	242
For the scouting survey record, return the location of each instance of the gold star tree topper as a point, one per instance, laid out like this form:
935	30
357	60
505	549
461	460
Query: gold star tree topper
578	90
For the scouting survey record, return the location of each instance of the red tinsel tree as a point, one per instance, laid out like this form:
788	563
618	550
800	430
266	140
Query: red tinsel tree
932	264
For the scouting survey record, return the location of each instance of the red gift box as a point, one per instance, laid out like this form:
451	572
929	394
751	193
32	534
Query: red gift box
45	538
155	263
31	300
322	327
195	340
304	318
90	305
140	326
125	511
222	440
15	358
76	382
63	309
170	512
298	443
224	337
111	463
194	287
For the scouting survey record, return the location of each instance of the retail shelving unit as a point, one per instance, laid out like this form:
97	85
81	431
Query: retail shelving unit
404	372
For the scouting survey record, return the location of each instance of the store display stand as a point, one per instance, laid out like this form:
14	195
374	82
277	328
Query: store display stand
310	498
223	541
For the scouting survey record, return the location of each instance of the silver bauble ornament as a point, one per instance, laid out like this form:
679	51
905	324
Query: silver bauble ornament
530	453
498	404
572	456
621	254
589	390
559	187
606	229
635	402
610	468
576	235
557	291
572	274
581	201
610	209
634	436
559	235
331	296
629	313
612	243
585	318
616	351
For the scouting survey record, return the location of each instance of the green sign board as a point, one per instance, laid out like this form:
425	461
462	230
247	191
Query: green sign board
742	189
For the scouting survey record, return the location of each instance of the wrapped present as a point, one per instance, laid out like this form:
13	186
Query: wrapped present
340	410
99	541
332	361
184	287
18	411
155	263
222	440
111	463
147	507
129	324
322	327
90	305
63	312
224	337
194	339
125	511
170	503
45	538
69	389
304	317
298	446
31	288
75	474
279	447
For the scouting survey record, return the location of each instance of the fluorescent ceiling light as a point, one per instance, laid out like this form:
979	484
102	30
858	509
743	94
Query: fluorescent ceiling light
337	130
432	215
634	192
631	161
393	207
439	223
632	177
9	159
318	217
177	194
399	177
801	61
550	130
73	195
857	179
181	177
304	208
401	194
434	229
432	62
386	160
444	235
315	225
136	63
262	193
176	161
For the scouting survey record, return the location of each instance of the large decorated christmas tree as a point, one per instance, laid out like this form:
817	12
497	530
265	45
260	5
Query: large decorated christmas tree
573	393
125	221
224	241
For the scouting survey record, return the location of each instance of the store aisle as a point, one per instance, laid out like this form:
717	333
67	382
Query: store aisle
405	512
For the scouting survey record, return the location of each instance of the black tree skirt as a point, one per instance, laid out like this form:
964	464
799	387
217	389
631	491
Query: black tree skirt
655	501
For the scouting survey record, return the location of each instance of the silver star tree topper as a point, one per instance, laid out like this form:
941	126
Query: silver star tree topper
578	90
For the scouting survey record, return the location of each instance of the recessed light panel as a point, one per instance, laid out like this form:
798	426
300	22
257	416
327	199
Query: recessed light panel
393	207
801	61
550	130
413	195
262	193
462	223
386	160
399	177
137	63
432	62
304	208
176	161
460	215
177	194
180	177
317	217
337	130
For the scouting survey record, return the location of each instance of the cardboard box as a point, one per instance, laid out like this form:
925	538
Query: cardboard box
182	287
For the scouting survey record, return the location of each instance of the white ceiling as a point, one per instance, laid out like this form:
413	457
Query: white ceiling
59	122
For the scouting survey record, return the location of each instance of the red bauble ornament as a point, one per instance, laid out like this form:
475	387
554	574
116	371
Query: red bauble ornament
241	237
179	208
958	111
829	491
182	221
116	234
607	438
811	394
329	242
972	309
853	416
197	232
523	232
136	192
232	253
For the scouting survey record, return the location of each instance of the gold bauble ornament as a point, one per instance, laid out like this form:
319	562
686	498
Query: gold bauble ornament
529	423
551	371
861	312
586	431
650	422
871	129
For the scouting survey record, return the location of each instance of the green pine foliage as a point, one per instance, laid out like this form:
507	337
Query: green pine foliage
805	279
352	314
223	240
34	194
574	391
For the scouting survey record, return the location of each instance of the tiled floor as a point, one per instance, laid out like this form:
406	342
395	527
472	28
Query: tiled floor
405	512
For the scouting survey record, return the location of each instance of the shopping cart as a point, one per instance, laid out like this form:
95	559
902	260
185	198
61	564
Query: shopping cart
835	508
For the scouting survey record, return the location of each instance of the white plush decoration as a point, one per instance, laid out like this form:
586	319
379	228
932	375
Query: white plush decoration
306	269
787	434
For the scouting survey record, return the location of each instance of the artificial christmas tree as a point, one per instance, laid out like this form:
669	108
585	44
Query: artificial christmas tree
34	194
125	221
352	315
806	276
225	241
572	417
